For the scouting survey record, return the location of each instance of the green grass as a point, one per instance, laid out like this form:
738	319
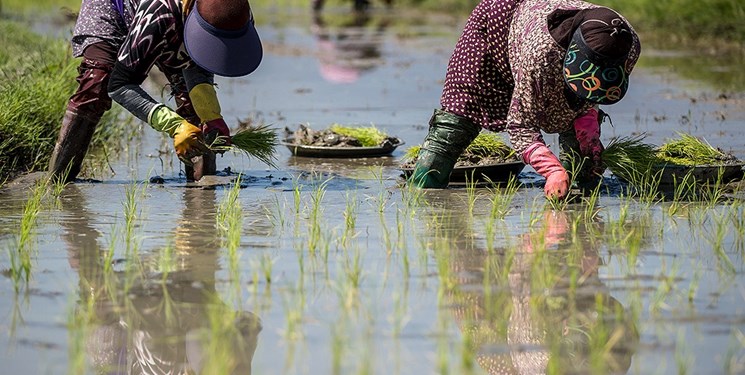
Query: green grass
20	6
713	18
37	76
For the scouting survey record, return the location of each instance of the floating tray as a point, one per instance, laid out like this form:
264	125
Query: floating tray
673	173
498	172
341	152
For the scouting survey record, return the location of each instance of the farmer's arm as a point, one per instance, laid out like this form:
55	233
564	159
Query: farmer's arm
143	46
201	88
523	121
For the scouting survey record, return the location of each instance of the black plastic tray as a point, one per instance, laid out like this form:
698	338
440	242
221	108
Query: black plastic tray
674	173
341	152
499	172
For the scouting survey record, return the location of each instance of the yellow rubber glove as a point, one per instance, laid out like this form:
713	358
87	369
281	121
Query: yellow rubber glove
187	138
204	100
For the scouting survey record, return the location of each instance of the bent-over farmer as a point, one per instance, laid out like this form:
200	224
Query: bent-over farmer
190	41
529	66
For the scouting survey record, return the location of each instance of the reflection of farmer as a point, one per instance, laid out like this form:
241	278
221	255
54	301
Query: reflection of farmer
359	5
521	323
526	67
354	49
156	320
189	41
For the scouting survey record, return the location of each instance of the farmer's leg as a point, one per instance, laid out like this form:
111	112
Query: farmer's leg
84	111
448	137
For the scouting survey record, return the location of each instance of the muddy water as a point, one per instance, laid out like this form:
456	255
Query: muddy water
337	269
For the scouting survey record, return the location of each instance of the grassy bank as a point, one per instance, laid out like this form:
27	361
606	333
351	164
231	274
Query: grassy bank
38	76
690	18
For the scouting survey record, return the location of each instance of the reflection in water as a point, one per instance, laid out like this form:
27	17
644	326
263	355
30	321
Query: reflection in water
161	314
536	304
350	49
359	5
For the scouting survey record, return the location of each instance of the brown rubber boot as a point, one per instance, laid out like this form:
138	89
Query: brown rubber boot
75	135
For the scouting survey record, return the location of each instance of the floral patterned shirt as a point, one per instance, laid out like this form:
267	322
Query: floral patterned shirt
506	71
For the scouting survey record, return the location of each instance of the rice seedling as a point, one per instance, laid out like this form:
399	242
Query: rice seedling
689	150
368	136
297	189
315	217
737	218
666	283
716	238
353	269
255	141
683	189
132	195
293	302
339	342
734	359
684	359
471	192
21	258
58	184
502	197
714	192
646	188
693	286
486	145
384	195
229	220
400	315
276	214
629	157
591	210
350	217
228	342
490	145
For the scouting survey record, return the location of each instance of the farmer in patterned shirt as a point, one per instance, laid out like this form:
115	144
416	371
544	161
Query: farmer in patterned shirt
188	40
526	66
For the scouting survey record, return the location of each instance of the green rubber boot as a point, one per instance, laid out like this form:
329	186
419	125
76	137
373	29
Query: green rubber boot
448	136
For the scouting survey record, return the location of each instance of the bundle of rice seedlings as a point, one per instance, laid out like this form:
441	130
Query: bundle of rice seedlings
486	145
689	150
629	157
369	136
490	144
411	154
255	141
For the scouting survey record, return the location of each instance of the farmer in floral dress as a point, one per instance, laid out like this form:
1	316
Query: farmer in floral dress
189	41
529	66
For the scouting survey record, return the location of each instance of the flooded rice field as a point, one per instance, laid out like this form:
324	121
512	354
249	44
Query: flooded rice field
333	266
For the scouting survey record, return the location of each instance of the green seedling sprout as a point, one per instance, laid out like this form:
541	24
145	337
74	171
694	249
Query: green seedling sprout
20	257
315	216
